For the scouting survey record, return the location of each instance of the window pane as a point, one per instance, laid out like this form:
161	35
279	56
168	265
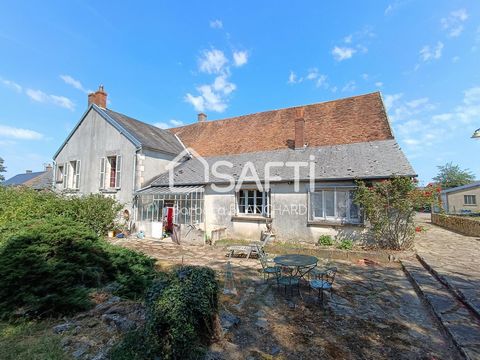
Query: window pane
354	209
250	201
342	197
259	203
317	206
329	202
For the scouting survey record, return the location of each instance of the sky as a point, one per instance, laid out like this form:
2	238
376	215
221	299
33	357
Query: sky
163	62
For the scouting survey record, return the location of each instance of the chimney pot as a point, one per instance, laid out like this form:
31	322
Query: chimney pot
202	117
98	98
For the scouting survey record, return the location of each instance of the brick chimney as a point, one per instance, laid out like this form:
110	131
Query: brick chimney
98	98
202	117
299	128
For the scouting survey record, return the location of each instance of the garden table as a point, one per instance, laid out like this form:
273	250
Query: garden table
301	264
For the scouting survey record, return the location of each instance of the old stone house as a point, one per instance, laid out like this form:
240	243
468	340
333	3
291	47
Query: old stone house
293	169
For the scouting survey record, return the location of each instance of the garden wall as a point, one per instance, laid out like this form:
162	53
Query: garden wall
460	224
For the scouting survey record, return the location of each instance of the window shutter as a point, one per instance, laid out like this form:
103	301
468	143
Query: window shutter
65	176
118	170
102	173
77	175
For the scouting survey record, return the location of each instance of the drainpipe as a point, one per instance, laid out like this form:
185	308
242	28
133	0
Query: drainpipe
134	182
54	175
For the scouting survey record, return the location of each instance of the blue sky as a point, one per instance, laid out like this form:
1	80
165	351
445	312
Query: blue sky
163	62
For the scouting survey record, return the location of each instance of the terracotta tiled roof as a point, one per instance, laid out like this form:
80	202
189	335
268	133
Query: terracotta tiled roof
344	121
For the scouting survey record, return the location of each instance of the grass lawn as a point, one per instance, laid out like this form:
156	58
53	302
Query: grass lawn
30	340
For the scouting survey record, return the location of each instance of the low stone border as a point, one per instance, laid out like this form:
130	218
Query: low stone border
336	254
459	224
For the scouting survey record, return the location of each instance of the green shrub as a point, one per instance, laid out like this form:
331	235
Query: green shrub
180	310
345	245
20	204
50	266
325	240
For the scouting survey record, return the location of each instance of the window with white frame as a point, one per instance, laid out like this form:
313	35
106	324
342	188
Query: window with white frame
70	174
110	172
254	202
469	199
59	173
334	203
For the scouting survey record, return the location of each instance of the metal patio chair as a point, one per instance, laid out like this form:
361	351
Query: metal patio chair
324	282
287	277
267	268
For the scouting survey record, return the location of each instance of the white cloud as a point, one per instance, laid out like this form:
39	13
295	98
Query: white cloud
292	78
428	53
312	74
350	86
62	101
40	96
456	59
176	122
390	100
221	84
75	83
321	81
240	58
11	85
453	23
171	123
406	110
417	102
212	61
216	24
348	39
37	95
379	84
18	133
213	96
343	53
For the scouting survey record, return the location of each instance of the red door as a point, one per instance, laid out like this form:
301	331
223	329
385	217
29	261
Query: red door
169	226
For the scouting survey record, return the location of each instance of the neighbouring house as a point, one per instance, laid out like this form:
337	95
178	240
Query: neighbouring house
39	180
292	169
461	199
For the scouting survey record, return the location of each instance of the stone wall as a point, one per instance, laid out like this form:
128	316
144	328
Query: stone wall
460	224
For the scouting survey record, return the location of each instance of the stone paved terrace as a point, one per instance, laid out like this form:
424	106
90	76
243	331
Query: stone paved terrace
453	257
374	314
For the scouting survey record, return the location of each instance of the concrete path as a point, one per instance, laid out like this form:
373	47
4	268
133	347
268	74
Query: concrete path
453	258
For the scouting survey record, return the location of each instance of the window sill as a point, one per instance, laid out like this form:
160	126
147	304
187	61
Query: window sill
333	223
71	190
58	181
470	205
109	191
252	218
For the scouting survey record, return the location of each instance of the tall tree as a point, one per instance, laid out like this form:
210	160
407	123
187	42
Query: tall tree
450	176
2	169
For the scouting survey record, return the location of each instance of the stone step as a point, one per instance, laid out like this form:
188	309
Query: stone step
446	281
458	321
